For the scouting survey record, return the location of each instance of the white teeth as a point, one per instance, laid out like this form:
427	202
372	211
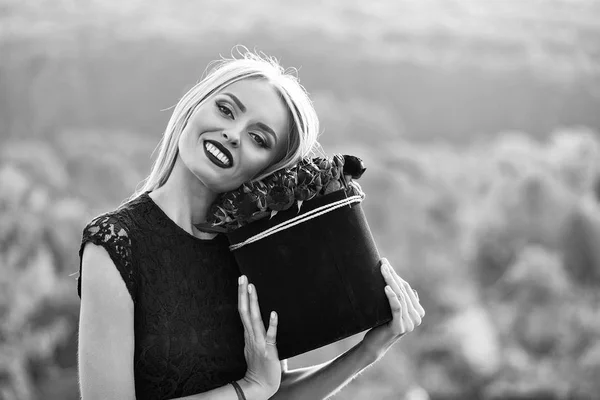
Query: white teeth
217	153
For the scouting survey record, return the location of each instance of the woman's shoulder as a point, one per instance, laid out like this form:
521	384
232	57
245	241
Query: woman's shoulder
120	222
115	231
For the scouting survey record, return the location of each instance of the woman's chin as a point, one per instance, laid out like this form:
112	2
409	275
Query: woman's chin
217	186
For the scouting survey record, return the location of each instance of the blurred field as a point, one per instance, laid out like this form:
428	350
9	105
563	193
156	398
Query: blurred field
479	123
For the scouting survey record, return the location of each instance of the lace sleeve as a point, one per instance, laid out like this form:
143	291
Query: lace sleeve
109	232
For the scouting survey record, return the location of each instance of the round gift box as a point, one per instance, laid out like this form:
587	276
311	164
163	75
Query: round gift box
321	275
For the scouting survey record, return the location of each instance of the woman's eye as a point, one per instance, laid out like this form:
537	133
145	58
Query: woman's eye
259	140
225	110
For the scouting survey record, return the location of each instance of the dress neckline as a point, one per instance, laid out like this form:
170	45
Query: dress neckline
217	239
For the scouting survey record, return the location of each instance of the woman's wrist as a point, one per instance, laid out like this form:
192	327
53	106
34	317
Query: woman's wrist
252	391
370	352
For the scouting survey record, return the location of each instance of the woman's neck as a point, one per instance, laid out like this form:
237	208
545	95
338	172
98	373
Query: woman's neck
184	199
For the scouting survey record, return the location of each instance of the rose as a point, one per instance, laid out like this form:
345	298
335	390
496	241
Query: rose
217	221
261	201
286	178
322	163
324	166
304	192
230	201
353	166
280	198
303	176
306	184
219	215
248	205
257	191
338	166
332	186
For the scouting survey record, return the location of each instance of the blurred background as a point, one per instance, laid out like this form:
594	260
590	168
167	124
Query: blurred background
478	121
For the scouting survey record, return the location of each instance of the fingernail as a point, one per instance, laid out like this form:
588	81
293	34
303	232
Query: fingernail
385	261
243	279
250	288
273	315
239	280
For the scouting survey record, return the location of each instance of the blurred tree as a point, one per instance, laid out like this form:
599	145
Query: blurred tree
28	284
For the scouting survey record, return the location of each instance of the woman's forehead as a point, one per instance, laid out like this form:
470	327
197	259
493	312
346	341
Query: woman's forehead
260	100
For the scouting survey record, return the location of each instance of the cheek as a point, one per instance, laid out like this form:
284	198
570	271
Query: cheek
189	147
184	146
190	135
256	164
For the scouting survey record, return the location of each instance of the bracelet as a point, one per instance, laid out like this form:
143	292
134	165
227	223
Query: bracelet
238	390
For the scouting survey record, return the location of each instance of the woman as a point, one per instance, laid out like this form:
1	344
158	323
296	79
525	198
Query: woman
161	314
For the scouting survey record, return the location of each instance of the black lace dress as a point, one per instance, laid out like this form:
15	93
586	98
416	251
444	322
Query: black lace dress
188	334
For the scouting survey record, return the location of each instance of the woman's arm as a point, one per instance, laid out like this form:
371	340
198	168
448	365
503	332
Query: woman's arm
105	330
106	335
324	380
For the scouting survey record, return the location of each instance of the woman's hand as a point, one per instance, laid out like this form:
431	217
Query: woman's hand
406	310
263	375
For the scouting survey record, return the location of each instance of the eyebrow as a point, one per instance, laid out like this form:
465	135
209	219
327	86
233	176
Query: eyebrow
267	129
237	101
260	125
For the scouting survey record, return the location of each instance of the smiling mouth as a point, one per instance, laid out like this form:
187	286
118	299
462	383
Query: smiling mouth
218	154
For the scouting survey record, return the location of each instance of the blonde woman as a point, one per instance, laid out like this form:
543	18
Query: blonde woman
164	314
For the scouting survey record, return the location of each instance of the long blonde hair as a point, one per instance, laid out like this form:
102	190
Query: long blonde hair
304	122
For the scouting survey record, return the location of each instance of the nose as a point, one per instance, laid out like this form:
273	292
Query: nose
231	138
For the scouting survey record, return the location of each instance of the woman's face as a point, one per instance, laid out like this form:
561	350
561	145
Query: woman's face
235	134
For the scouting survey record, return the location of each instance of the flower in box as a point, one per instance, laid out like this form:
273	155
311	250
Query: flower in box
301	237
255	200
